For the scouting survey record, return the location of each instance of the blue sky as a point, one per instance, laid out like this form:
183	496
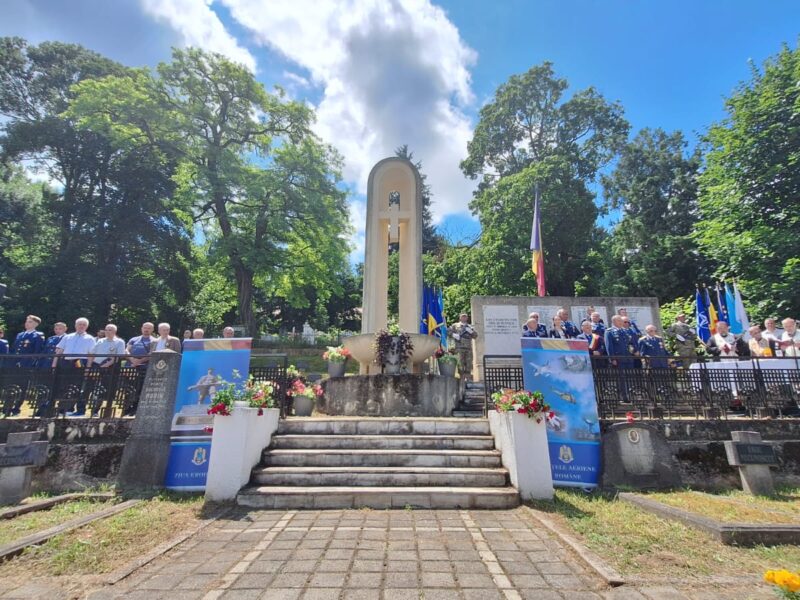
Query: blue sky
384	73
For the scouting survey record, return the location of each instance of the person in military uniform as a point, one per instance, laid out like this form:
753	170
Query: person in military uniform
618	347
651	347
633	339
533	328
206	386
597	346
569	327
623	312
684	337
29	341
463	333
598	326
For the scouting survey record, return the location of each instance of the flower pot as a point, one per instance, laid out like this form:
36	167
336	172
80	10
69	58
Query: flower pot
303	406
525	453
447	369
336	369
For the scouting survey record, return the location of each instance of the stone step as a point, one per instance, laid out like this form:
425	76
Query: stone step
327	457
379	476
411	442
278	497
382	426
467	413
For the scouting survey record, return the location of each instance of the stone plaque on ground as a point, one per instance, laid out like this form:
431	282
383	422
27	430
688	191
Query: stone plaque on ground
18	456
638	456
144	460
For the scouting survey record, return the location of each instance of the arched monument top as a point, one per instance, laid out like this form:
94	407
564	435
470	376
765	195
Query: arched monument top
387	164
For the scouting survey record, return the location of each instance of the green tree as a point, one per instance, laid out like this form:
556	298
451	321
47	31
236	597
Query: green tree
262	186
110	245
750	189
531	134
651	251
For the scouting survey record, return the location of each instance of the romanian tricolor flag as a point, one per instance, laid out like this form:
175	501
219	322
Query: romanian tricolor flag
713	319
537	260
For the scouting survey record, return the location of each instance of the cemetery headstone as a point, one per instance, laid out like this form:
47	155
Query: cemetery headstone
638	456
753	457
144	459
18	456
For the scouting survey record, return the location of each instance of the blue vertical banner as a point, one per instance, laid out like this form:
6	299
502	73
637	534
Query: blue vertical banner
562	372
206	365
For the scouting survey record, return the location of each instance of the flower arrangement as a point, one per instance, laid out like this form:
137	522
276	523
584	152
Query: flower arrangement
446	356
257	394
336	354
392	342
787	583
523	402
299	388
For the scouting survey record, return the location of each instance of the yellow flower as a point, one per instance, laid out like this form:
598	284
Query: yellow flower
784	579
769	576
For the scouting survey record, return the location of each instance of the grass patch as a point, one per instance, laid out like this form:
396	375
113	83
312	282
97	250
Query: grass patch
34	522
737	506
639	544
105	545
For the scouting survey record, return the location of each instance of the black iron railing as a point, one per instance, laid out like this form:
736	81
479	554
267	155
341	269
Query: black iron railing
650	389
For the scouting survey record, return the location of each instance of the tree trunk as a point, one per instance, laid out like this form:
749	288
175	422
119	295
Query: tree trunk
244	298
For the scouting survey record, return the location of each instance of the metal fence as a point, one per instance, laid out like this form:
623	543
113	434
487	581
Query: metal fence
753	387
31	385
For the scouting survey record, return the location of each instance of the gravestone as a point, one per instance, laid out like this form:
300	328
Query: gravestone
144	459
638	456
753	457
18	456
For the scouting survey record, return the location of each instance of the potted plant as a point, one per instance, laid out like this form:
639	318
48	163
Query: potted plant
254	394
337	360
519	426
393	348
447	361
304	396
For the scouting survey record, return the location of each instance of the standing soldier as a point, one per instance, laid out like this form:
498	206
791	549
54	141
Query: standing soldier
685	338
30	341
463	333
652	347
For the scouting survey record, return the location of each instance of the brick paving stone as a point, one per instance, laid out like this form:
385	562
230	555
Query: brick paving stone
540	594
482	594
327	580
290	580
438	580
401	594
265	566
401	580
322	594
237	594
470	580
436	566
364	580
367	565
403	566
361	594
528	581
440	594
281	594
254	581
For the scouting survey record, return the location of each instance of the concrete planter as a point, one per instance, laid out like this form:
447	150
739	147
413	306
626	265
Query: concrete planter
336	369
447	369
303	406
236	446
523	445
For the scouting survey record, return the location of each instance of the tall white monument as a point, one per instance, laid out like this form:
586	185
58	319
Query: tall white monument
394	215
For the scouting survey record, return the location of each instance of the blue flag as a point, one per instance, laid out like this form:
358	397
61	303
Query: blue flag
730	305
723	309
701	314
440	318
423	324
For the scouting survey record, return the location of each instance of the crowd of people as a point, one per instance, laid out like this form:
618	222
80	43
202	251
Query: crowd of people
80	349
626	345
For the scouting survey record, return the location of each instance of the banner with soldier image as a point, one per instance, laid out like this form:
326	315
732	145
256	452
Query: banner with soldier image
561	370
206	365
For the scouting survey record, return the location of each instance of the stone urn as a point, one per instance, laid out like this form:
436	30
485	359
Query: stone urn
447	368
336	369
303	406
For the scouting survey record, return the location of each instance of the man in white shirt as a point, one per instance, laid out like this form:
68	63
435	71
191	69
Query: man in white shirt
724	344
76	346
771	331
790	341
165	341
111	344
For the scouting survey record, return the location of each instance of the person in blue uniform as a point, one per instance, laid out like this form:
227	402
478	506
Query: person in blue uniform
633	340
652	347
569	327
59	329
598	326
30	341
623	312
533	328
618	347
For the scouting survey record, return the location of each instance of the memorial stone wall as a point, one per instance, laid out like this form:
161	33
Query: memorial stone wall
499	319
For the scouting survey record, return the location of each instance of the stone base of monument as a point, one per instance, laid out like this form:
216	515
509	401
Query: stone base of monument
403	395
636	455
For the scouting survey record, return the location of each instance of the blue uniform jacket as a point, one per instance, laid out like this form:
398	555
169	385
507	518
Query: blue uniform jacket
541	332
571	330
599	329
28	342
617	344
654	348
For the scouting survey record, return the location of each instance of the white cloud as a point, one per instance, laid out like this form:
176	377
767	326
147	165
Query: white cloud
199	26
391	73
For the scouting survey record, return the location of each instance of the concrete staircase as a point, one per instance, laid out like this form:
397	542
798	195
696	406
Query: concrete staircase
380	463
471	405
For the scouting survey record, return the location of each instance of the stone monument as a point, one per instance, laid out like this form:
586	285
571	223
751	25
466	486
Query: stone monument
18	456
394	216
144	459
753	457
637	455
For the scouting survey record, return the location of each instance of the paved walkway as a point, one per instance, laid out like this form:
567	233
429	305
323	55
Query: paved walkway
368	554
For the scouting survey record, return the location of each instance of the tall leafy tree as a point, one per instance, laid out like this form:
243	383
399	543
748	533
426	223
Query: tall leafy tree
651	251
112	247
529	134
250	171
750	189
